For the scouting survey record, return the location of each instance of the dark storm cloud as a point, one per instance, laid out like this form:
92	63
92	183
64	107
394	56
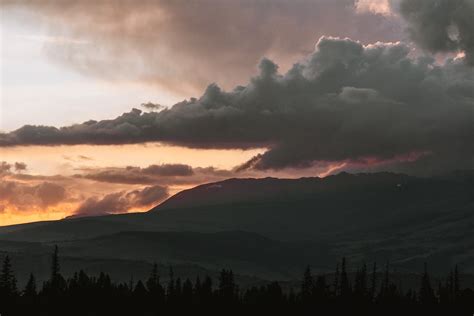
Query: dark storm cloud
121	202
345	102
136	175
165	174
185	45
168	170
118	175
442	25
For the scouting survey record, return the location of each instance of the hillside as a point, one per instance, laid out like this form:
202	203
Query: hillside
384	216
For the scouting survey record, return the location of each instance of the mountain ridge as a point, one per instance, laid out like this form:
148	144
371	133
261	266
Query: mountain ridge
396	217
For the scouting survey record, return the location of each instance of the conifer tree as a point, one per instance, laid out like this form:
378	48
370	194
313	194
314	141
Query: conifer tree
320	287
456	283
55	268
373	285
206	289
30	288
345	285
188	291
7	279
197	285
153	283
336	286
227	286
426	293
170	290
384	287
360	284
307	285
139	289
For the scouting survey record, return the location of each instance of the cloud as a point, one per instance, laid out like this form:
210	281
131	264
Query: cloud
345	102
24	196
50	193
20	166
6	167
152	106
78	158
184	46
441	26
137	175
382	7
164	174
118	175
121	202
169	170
31	197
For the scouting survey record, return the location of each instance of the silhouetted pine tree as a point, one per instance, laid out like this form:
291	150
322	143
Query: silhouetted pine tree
361	291
104	283
456	283
91	295
178	288
55	267
373	282
292	301
274	293
170	289
227	287
56	283
307	286
344	279
153	283
336	284
205	293
140	290
7	279
385	284
426	293
30	288
187	292
321	288
197	286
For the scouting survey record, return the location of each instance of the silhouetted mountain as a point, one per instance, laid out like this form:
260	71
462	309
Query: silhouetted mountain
383	216
262	190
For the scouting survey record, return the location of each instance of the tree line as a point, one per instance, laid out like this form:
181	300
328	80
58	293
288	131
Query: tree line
362	292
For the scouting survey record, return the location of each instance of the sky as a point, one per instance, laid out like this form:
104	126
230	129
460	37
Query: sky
112	106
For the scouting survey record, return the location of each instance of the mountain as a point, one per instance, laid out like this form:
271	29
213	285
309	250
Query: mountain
365	217
340	206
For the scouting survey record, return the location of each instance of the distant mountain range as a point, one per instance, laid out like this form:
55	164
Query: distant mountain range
272	227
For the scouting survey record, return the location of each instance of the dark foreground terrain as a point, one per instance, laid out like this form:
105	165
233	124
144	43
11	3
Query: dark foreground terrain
267	230
367	291
270	228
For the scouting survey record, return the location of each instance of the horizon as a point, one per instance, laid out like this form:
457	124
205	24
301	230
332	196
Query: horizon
171	196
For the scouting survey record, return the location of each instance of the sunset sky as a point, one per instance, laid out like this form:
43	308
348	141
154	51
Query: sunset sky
113	106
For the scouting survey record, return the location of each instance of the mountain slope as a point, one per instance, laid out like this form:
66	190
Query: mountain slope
246	253
380	216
